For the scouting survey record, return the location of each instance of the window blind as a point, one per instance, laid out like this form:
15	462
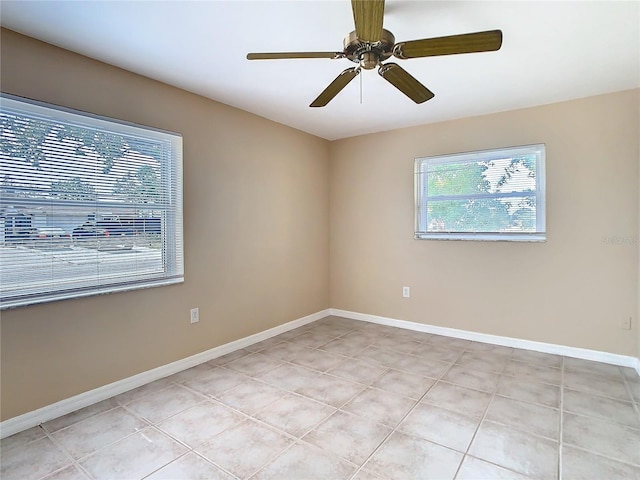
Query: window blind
88	205
487	195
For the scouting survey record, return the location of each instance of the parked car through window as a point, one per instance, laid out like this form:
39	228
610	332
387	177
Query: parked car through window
104	235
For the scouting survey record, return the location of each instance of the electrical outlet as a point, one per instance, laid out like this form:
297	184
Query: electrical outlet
626	324
195	315
406	292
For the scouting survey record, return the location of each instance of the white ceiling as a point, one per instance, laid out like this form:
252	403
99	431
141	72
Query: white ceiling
552	51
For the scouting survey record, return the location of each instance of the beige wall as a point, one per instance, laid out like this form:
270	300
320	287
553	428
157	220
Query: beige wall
256	216
273	217
574	290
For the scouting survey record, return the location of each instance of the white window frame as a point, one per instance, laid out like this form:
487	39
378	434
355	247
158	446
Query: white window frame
171	257
422	198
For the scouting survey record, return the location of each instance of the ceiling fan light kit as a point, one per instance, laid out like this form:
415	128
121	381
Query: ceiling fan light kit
369	45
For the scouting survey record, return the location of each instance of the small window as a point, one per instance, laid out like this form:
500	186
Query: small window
486	195
88	205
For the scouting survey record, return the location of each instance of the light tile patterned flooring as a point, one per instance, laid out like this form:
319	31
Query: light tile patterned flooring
341	399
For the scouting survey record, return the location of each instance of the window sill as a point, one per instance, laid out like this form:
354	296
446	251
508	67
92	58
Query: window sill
484	237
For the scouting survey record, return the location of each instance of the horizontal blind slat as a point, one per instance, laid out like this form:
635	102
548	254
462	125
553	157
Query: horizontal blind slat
487	192
88	205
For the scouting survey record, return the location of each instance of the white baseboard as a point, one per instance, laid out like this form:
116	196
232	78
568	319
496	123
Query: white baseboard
583	353
31	419
63	407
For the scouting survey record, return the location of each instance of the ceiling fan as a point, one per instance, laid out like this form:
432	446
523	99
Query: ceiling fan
370	45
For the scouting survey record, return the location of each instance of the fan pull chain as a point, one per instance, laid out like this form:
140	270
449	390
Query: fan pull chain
360	88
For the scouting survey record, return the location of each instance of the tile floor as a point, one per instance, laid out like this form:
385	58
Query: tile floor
341	399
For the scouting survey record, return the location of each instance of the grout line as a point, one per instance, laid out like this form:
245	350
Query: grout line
147	424
285	393
339	408
299	438
44	427
162	466
66	452
635	404
484	414
395	428
271	459
383	334
215	464
605	457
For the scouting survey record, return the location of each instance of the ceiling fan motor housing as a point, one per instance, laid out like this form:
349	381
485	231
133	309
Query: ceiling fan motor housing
367	54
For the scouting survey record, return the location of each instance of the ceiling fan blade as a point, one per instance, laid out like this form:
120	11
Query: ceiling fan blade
368	15
400	78
285	55
466	43
335	87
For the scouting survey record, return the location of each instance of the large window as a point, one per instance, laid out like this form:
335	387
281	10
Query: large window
88	205
487	195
